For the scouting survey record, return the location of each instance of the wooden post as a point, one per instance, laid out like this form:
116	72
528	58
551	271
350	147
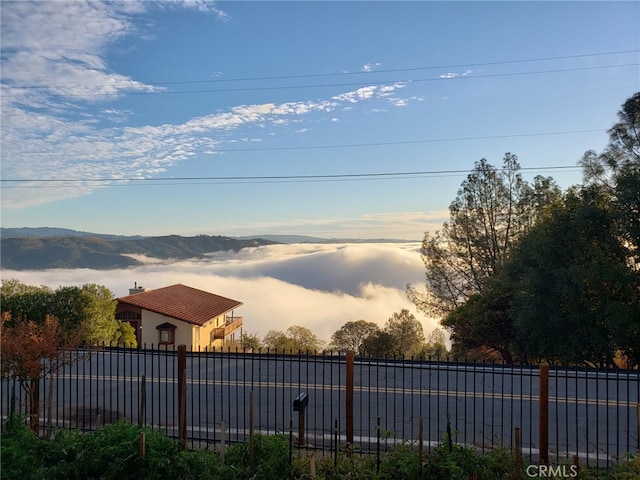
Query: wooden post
301	427
518	453
544	415
576	463
142	445
312	466
182	395
222	441
142	408
638	409
251	457
349	398
420	440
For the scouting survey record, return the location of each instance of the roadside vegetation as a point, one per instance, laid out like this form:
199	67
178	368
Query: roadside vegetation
115	453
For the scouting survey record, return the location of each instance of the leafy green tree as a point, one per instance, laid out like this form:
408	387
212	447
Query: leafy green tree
278	341
25	302
251	341
125	335
483	325
90	308
380	344
351	336
304	339
574	297
407	334
492	209
436	345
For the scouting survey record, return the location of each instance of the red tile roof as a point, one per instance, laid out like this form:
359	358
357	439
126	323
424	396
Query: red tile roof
182	303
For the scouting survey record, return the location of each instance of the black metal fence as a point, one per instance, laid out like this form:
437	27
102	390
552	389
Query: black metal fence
220	396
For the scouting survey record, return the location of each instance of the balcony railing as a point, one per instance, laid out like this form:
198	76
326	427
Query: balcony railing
231	325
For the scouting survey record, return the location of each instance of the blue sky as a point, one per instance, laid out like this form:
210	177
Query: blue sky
175	117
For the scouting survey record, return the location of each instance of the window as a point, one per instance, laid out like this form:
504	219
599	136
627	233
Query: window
166	334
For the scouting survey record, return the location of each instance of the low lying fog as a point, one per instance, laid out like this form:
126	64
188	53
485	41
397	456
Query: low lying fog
317	286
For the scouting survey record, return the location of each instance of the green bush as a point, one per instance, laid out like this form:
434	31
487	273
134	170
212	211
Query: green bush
21	451
112	453
271	459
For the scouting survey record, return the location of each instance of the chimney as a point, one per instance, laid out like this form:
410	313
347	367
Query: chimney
137	289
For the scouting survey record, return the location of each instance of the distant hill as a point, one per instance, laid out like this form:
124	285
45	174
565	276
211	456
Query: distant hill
57	232
80	251
307	239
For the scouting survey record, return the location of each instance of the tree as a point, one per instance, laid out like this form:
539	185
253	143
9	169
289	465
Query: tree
352	335
490	212
25	302
406	332
380	344
435	345
31	351
304	340
483	325
574	297
90	308
251	341
278	341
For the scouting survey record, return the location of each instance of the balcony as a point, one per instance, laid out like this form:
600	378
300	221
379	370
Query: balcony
231	325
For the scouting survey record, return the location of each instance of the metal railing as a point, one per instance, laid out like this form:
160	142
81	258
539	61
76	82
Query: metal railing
202	397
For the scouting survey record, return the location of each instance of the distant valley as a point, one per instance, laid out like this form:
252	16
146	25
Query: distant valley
47	247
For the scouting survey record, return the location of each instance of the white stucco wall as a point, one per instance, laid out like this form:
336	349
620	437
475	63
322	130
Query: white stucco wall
185	333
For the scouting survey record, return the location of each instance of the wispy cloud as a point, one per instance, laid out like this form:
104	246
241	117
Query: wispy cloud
53	75
456	75
368	67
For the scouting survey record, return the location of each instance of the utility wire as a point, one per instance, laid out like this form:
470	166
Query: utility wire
356	145
271	178
326	85
335	74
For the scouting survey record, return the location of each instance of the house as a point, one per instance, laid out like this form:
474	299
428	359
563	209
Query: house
179	314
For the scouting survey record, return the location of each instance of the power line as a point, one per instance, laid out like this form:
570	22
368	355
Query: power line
271	178
359	145
335	74
346	84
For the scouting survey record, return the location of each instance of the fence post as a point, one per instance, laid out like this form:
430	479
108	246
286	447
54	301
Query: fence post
349	397
251	446
518	472
142	408
182	395
420	440
222	441
142	446
544	415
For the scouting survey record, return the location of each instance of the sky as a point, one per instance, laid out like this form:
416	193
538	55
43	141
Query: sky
333	119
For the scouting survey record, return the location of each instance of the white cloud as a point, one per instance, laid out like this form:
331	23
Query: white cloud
456	75
367	67
49	132
317	286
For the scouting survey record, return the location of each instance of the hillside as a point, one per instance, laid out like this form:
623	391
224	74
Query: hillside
38	253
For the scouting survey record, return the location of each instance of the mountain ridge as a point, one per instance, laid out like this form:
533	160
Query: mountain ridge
100	253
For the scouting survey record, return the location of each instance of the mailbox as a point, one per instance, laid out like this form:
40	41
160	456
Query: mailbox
301	402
